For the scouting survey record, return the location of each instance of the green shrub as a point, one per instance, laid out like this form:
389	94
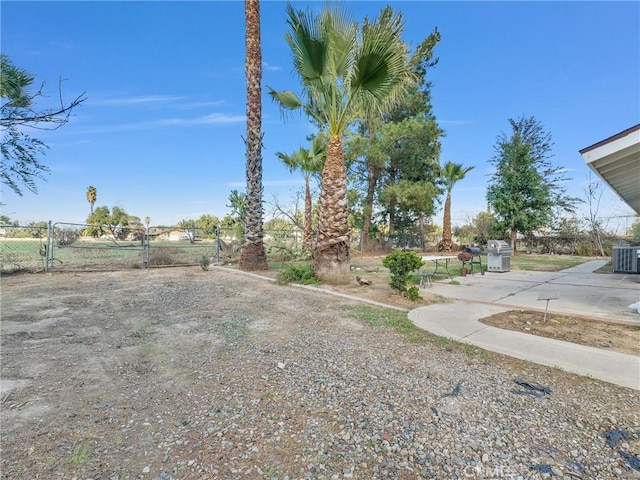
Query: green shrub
204	262
293	273
413	293
401	265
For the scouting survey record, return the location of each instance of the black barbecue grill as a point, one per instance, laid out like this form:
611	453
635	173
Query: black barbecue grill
469	257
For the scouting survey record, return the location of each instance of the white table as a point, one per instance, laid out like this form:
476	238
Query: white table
441	263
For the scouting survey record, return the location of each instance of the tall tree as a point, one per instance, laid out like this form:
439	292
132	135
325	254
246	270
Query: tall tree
114	222
382	150
20	166
309	162
525	189
408	189
254	256
343	74
451	174
92	196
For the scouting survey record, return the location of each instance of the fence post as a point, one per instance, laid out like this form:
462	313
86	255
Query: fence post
145	248
217	252
48	254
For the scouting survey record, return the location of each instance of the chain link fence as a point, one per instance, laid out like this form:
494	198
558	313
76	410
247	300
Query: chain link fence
64	246
22	248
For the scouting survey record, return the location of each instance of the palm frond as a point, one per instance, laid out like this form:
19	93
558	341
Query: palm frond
287	99
308	42
342	37
381	63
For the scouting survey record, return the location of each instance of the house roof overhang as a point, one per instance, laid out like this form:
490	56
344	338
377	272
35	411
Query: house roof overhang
617	161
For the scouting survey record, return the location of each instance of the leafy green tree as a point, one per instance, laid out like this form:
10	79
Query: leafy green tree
5	220
207	225
92	196
114	222
451	174
343	74
135	227
526	189
486	228
309	162
408	189
235	220
634	232
37	229
20	164
188	227
253	256
381	150
238	205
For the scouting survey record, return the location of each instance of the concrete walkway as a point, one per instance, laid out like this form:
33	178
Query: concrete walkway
580	293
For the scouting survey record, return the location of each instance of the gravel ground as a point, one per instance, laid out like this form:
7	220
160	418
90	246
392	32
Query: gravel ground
184	374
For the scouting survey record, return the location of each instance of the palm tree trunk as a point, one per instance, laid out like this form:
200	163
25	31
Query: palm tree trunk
447	243
306	236
253	255
331	261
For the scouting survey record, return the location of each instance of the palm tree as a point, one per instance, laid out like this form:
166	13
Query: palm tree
451	174
343	74
92	196
309	162
253	255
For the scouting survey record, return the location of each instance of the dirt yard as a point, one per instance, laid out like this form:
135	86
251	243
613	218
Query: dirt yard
583	331
179	373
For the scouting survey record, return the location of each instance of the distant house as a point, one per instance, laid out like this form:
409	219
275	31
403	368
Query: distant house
172	236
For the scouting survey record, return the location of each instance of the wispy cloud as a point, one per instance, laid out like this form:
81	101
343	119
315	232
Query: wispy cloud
144	99
271	68
213	118
215	103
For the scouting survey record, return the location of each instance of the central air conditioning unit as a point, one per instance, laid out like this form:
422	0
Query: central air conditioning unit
626	259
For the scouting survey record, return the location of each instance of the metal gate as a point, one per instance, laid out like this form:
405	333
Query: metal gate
84	247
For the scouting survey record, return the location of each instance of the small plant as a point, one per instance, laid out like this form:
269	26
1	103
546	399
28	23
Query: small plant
413	293
204	261
80	454
302	274
401	265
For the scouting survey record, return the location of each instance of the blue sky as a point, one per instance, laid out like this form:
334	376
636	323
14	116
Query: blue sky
160	133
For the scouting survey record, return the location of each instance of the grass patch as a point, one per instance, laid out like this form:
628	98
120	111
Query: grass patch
381	317
519	261
607	268
80	454
399	322
143	332
544	263
233	329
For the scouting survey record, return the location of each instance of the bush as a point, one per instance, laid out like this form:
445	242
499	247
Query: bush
67	236
413	293
302	274
204	262
401	265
